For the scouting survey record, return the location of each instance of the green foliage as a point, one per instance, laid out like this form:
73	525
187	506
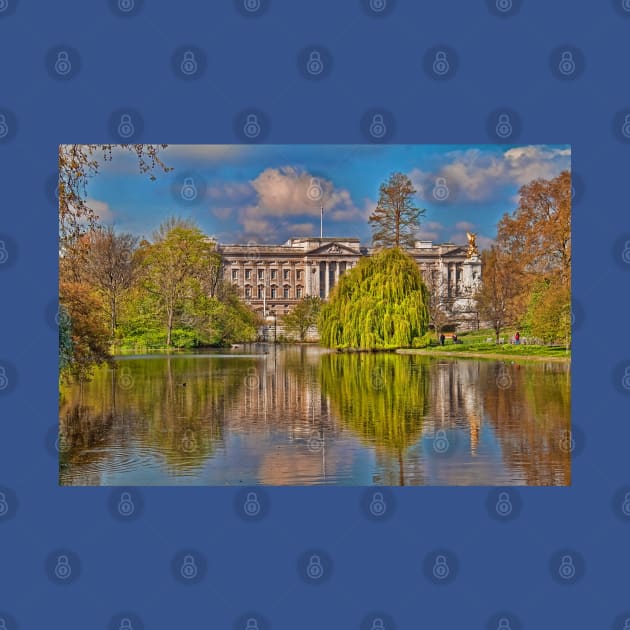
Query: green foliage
302	317
379	304
549	312
65	340
424	341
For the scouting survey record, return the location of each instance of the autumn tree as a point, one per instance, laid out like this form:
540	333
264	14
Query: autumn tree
396	219
88	345
536	239
497	294
111	267
302	317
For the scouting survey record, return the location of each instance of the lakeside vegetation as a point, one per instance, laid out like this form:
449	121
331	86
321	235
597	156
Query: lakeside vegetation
118	293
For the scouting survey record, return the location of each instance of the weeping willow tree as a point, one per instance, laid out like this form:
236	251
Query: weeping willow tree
379	304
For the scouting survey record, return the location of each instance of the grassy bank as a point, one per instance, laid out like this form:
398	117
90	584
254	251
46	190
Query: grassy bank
474	344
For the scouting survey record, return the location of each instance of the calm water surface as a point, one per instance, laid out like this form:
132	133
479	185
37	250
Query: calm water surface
302	415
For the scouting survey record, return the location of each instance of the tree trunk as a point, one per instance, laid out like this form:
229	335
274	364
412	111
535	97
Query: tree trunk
113	322
170	328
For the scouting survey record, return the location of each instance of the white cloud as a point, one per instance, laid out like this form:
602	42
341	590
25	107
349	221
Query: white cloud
102	210
205	152
465	225
476	176
290	192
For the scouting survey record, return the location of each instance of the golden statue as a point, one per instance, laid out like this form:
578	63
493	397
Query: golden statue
472	245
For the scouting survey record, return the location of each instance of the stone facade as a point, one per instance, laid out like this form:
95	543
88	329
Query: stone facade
273	278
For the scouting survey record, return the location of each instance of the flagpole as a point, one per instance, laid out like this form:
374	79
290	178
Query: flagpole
321	223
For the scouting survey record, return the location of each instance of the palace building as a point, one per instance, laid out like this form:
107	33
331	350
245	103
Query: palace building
273	278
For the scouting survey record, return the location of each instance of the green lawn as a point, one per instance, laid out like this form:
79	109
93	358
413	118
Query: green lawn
475	341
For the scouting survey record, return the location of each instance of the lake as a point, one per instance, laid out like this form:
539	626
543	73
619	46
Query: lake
302	415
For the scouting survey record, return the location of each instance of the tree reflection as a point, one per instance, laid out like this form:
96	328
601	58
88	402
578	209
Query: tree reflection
171	406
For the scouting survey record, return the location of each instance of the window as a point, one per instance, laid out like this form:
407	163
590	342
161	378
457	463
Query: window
248	274
274	273
298	292
234	274
286	292
261	291
248	292
261	274
273	292
298	274
285	274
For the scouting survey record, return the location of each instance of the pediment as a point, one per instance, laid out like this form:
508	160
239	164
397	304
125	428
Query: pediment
333	249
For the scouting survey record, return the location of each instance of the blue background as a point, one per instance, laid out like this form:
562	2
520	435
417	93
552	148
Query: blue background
374	61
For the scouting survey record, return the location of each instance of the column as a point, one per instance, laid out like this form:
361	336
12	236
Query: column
307	279
326	280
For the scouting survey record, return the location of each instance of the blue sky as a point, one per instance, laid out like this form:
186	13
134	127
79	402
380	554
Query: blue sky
268	193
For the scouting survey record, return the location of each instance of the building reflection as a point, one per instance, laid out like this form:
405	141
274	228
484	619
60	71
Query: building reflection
303	415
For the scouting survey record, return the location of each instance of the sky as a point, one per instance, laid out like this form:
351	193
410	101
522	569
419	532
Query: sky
269	193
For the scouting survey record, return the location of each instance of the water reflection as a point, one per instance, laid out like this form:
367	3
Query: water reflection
301	415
